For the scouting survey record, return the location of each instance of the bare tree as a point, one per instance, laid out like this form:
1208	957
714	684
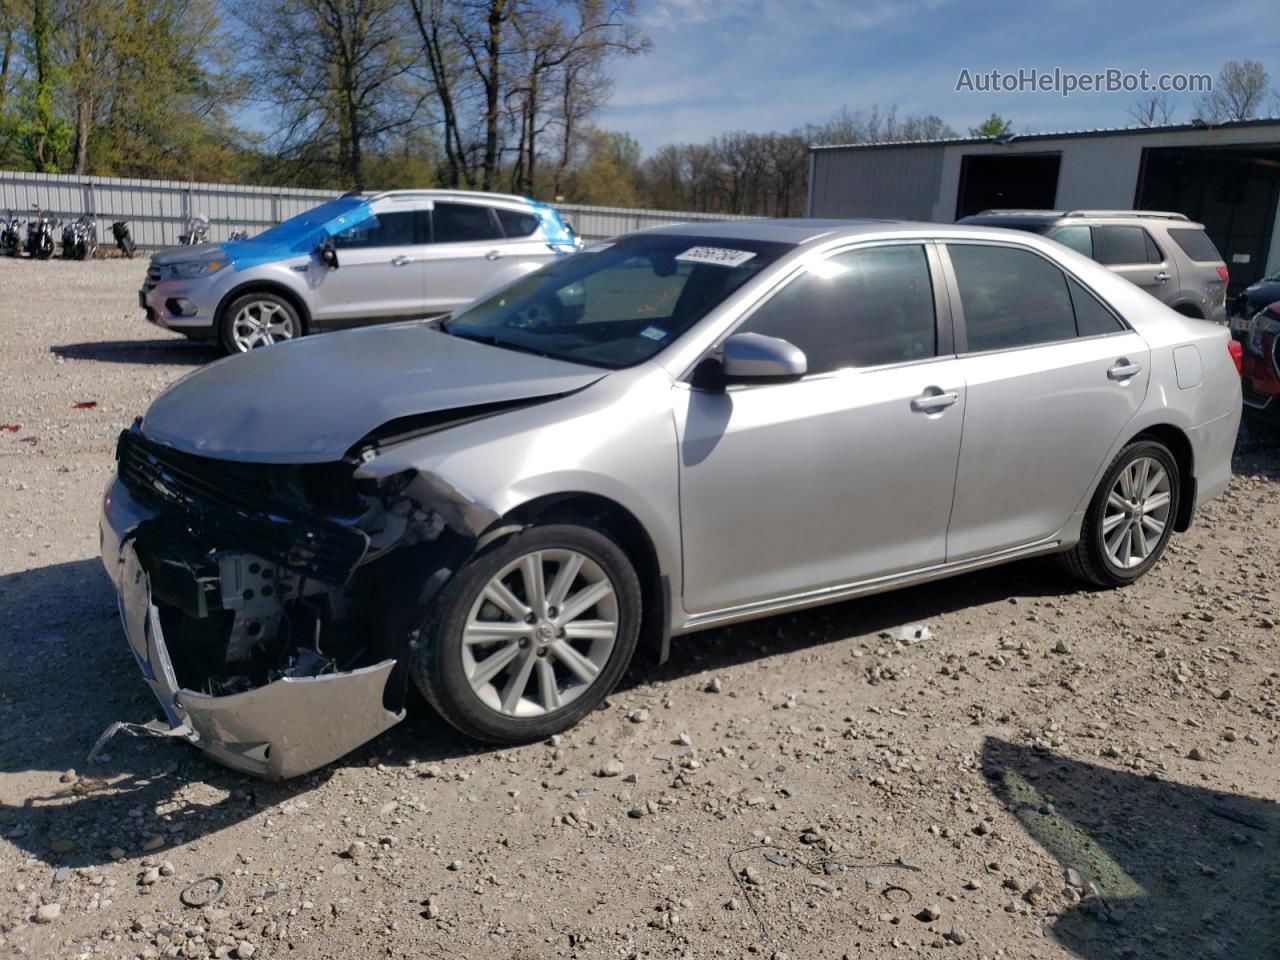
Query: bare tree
561	49
433	20
1153	111
1241	87
877	126
336	71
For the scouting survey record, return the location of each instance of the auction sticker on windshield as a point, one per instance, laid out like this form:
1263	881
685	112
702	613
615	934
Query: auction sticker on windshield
719	256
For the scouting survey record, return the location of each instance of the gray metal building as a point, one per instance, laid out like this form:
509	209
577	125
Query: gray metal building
1225	176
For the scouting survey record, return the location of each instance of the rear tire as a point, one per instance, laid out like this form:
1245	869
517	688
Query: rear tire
1130	518
505	663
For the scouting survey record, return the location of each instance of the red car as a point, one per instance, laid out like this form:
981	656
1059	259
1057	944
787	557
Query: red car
1261	369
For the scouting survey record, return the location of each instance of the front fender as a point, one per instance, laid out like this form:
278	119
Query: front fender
615	439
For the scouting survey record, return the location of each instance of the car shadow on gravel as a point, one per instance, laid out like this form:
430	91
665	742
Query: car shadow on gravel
1164	869
168	352
865	617
68	674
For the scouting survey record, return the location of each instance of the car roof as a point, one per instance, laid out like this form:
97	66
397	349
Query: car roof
430	194
803	231
784	230
1050	216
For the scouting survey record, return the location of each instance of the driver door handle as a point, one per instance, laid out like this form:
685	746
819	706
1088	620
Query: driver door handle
933	402
1162	276
402	261
1123	370
493	255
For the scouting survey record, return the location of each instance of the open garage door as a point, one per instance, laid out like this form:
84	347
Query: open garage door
1007	181
1233	191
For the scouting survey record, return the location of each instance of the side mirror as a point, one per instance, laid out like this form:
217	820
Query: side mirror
753	356
328	255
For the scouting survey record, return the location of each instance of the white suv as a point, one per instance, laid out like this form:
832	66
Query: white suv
356	260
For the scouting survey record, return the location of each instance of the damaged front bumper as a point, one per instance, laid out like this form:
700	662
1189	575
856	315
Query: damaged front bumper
285	728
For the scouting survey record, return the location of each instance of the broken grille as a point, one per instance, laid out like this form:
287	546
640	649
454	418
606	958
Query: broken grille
227	510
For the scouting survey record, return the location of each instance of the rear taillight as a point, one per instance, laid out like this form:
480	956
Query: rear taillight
1237	354
1224	274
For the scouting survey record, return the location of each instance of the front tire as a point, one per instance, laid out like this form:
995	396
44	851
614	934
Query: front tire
257	320
1130	518
530	636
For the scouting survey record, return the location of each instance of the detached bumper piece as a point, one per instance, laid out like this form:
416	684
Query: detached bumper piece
223	505
284	728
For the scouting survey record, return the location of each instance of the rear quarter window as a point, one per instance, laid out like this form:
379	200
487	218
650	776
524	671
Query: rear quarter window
1196	244
516	223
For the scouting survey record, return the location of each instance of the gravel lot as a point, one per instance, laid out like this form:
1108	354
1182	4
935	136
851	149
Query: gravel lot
1042	772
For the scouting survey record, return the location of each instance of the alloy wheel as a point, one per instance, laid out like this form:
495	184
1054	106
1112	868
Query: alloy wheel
1136	513
540	633
261	323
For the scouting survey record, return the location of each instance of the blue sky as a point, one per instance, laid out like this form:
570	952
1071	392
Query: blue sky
760	65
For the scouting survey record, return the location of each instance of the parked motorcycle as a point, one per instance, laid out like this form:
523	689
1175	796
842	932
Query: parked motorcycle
80	239
197	231
40	235
10	235
124	240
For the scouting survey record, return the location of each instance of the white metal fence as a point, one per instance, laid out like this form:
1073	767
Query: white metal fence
158	209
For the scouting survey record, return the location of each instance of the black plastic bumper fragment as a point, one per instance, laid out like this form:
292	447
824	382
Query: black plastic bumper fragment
207	497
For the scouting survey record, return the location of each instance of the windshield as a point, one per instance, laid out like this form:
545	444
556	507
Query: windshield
304	223
1010	223
617	304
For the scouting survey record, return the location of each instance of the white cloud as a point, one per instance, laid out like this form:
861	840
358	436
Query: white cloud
812	15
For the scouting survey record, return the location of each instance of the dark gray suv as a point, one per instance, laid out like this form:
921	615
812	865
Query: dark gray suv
1165	254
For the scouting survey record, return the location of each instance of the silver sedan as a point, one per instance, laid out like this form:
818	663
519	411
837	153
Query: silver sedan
674	430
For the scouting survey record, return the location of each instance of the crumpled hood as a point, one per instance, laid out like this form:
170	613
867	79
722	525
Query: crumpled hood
311	400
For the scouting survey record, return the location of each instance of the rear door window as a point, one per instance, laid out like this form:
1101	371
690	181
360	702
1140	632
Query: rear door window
463	222
1196	244
1010	297
863	308
1115	246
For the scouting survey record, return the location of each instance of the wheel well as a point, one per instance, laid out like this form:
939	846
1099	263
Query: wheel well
631	536
1189	310
1180	447
265	286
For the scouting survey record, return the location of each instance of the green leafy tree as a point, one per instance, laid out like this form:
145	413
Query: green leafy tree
609	173
994	126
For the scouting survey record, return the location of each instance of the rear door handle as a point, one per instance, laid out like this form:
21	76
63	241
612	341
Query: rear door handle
493	255
401	261
933	402
1162	276
1123	370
